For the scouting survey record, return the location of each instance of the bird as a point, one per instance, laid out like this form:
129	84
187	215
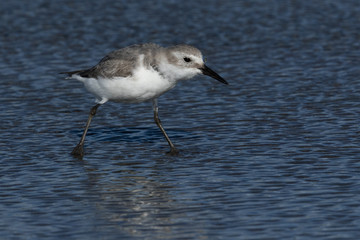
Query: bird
138	73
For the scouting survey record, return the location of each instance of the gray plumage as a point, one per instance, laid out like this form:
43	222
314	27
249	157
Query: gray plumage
121	62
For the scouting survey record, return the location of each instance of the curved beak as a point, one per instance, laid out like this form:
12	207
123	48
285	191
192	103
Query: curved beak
207	71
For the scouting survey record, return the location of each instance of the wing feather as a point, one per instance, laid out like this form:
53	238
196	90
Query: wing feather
119	63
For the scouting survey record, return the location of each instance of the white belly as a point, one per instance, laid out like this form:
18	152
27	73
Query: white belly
144	84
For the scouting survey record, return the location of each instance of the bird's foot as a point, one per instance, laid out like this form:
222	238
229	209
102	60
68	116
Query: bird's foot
78	151
173	152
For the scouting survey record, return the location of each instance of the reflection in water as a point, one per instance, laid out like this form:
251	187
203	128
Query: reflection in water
131	202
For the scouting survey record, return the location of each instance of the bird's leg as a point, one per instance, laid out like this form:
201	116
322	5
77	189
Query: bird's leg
78	151
173	150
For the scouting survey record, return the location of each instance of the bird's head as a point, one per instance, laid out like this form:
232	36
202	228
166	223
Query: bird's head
186	61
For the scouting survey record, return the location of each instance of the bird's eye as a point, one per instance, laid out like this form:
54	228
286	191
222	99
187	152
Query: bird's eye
186	59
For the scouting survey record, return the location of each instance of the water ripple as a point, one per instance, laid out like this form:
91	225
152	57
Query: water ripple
273	155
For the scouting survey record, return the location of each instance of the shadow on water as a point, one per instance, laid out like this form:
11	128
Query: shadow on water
133	134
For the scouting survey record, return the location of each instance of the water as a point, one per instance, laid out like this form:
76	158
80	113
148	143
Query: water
274	155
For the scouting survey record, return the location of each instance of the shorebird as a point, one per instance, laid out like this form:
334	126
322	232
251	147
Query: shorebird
140	73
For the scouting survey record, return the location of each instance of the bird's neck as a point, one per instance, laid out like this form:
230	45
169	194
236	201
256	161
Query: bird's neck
174	73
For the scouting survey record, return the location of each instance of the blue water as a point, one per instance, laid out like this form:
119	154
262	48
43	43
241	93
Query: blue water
274	155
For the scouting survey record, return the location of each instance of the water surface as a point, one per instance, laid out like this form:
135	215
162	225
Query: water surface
274	155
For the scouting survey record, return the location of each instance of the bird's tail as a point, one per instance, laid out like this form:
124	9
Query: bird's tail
88	73
69	74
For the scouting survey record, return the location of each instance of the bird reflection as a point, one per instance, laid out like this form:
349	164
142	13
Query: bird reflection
130	201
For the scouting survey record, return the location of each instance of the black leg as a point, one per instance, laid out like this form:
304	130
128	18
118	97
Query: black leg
78	151
173	150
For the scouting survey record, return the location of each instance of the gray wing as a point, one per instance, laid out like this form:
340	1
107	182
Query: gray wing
120	63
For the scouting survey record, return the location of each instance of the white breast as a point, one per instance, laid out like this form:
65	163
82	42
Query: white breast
143	85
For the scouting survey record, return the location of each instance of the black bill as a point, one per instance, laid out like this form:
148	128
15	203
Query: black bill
207	71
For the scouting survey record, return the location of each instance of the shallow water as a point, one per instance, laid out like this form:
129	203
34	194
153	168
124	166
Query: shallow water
274	155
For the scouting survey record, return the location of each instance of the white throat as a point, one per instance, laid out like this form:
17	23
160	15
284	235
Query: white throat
175	73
